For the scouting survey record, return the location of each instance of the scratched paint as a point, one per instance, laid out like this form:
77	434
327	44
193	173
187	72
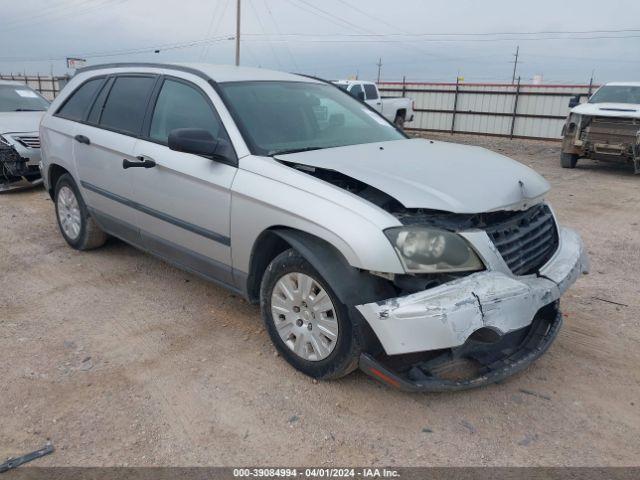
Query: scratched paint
445	316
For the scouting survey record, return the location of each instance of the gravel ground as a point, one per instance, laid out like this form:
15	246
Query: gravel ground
121	359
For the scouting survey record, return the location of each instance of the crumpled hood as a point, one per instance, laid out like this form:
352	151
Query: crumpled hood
434	175
626	110
20	122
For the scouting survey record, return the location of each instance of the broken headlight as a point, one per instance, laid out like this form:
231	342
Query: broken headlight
429	250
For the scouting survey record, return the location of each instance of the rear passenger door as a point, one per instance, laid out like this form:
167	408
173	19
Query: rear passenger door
103	141
186	197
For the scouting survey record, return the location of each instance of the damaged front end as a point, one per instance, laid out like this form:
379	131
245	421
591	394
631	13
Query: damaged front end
485	326
478	299
604	138
19	163
483	359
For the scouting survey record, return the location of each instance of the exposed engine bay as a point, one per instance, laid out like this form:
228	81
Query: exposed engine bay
15	171
604	138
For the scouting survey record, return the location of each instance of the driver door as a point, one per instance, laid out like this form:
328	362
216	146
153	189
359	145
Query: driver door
185	199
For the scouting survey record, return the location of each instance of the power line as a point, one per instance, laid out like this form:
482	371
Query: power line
238	27
273	51
439	40
472	34
217	27
209	29
368	15
130	51
275	24
63	4
329	14
61	13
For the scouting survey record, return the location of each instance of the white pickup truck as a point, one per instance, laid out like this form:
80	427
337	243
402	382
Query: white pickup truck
395	109
606	128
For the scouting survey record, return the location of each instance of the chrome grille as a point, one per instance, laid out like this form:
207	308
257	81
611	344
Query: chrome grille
29	141
526	240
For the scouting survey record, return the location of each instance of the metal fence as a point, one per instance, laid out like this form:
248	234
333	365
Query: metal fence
505	110
48	86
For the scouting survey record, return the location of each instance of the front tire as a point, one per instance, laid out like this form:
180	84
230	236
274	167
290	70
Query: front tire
568	160
77	226
306	321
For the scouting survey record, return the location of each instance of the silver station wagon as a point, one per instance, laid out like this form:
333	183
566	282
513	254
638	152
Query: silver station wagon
429	265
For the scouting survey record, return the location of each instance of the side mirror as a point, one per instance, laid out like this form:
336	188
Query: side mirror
200	142
574	101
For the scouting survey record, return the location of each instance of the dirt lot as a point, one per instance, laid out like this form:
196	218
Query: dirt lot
120	359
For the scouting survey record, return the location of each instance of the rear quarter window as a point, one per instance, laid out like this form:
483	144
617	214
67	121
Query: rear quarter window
76	106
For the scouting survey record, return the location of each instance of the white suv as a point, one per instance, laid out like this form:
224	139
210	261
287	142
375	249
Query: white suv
362	246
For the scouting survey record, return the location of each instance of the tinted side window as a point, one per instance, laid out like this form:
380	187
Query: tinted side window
371	91
355	90
96	110
77	104
126	104
182	106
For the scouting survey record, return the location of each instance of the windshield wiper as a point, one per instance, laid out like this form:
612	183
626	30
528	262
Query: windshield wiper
293	150
28	110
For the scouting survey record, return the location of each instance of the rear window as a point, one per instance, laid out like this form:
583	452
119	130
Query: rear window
355	91
126	104
76	106
371	91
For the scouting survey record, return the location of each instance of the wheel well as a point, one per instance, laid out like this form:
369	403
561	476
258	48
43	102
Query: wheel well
55	172
402	113
352	286
267	247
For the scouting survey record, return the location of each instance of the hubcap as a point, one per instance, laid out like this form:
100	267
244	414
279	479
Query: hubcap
304	316
69	212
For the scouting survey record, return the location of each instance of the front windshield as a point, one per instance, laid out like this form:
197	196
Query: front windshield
20	98
616	94
280	117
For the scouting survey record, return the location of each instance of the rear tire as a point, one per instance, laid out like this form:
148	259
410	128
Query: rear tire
77	226
336	358
399	121
568	160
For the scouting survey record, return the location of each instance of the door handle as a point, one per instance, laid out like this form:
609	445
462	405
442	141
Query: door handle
82	139
143	162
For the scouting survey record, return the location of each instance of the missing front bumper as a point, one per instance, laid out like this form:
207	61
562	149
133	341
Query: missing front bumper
446	316
16	172
474	364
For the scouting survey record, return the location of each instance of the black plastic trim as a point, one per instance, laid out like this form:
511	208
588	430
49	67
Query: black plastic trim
539	337
185	259
216	237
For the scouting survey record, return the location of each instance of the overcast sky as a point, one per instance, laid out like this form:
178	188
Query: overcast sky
425	40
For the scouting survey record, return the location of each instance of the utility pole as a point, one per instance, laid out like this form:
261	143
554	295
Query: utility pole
379	64
515	64
238	35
